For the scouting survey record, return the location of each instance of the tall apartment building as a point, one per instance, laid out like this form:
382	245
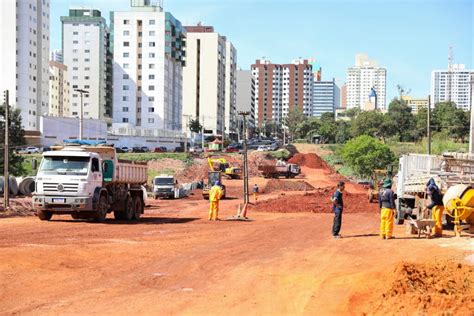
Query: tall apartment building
326	95
364	76
84	48
59	90
56	55
343	102
452	85
24	55
209	79
148	54
245	95
281	87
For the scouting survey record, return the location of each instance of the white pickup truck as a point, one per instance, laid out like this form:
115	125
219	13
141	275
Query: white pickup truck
415	170
88	182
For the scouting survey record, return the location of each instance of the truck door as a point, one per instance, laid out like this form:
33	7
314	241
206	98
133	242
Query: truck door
96	173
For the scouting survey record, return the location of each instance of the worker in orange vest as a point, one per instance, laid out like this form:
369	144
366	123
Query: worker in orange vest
215	194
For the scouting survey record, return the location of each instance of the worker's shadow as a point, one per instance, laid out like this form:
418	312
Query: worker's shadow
360	235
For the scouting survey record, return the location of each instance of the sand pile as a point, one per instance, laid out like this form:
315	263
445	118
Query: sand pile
282	185
311	161
18	207
318	201
441	288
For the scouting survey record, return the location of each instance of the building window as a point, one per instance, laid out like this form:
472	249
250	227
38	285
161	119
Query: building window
126	22
151	109
74	51
151	120
125	98
151	98
151	44
75	42
75	33
87	51
87	68
126	55
151	66
126	44
125	109
151	55
125	66
125	87
126	33
87	60
86	87
151	88
126	76
151	76
151	33
152	22
87	42
124	120
86	77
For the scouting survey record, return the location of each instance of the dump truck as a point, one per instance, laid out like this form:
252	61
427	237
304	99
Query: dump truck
88	182
164	186
415	170
280	169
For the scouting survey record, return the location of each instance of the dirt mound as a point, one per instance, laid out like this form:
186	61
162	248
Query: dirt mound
311	161
166	165
196	172
316	202
282	185
18	207
256	159
433	289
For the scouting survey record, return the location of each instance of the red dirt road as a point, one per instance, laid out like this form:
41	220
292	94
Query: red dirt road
174	261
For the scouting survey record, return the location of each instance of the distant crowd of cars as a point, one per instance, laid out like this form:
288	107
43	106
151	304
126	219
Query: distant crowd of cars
259	144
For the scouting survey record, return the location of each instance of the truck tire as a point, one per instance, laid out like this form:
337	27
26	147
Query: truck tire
102	208
138	205
45	215
118	215
129	209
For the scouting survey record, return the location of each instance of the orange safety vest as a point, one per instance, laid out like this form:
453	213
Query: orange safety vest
215	193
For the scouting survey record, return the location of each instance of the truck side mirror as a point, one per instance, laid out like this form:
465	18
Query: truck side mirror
175	181
34	164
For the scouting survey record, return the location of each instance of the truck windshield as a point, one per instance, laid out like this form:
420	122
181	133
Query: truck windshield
164	181
65	165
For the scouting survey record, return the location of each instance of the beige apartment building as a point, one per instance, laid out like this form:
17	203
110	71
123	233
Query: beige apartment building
59	90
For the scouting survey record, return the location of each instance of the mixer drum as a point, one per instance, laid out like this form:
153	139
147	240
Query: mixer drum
460	196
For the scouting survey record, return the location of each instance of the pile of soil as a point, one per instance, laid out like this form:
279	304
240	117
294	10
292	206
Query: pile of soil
196	172
429	288
311	161
282	185
256	159
18	207
166	165
318	201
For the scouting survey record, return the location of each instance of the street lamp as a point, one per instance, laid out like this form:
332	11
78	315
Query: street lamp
81	118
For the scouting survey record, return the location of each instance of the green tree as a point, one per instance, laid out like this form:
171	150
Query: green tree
401	120
367	123
195	126
293	119
343	133
365	154
421	121
447	117
16	138
306	128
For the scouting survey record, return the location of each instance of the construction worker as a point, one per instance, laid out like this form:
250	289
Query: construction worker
436	206
337	207
215	194
255	192
387	209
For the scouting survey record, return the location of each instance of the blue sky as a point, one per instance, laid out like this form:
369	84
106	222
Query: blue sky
408	37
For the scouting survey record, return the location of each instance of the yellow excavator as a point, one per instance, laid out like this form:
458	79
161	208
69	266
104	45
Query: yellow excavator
222	165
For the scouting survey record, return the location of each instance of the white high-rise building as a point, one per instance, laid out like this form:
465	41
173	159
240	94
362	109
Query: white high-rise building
148	54
209	80
245	94
56	55
326	97
84	48
24	55
365	75
452	85
59	90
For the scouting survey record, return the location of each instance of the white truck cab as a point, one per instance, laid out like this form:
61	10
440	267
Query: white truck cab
164	186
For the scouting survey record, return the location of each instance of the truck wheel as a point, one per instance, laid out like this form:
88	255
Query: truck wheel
44	215
129	209
102	209
138	208
120	216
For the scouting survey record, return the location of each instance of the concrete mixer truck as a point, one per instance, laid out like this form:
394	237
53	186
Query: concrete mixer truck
449	171
459	203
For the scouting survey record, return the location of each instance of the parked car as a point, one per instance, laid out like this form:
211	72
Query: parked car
119	150
160	149
145	149
195	149
263	148
127	149
179	150
137	149
29	150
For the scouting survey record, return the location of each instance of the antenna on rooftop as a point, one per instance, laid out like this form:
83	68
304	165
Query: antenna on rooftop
450	73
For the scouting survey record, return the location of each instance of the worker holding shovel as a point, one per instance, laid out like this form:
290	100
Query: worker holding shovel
387	209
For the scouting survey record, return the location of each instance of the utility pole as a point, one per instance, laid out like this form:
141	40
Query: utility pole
471	135
186	116
428	125
246	169
6	187
202	134
81	118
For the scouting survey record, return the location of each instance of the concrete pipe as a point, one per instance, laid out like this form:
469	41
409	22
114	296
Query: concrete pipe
26	185
12	186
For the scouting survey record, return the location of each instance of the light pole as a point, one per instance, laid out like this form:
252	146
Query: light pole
81	118
471	134
6	188
246	169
